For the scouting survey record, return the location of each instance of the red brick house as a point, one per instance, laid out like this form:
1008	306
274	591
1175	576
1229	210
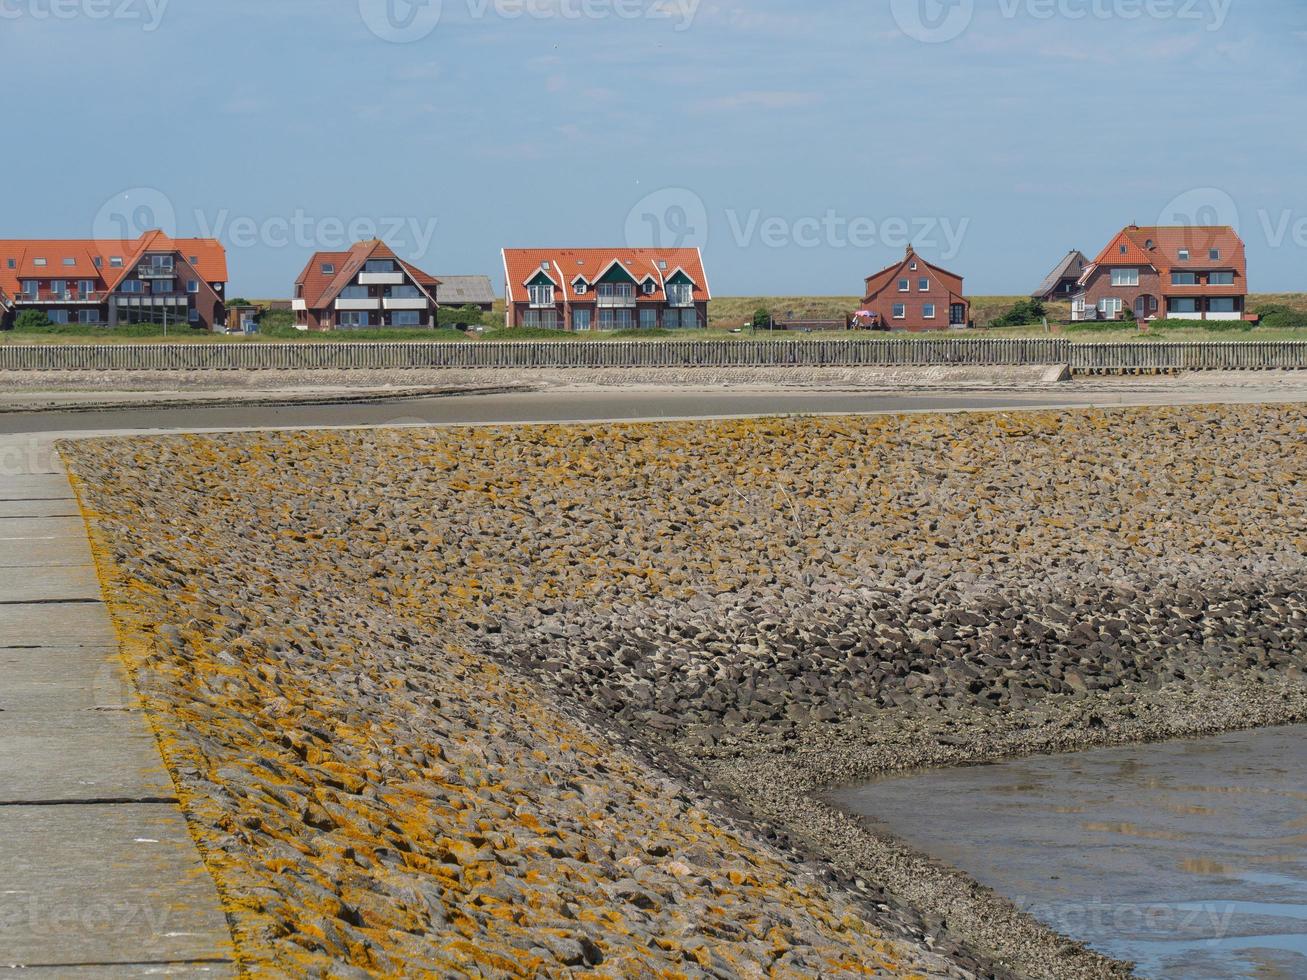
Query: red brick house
154	279
912	294
367	287
606	288
1177	273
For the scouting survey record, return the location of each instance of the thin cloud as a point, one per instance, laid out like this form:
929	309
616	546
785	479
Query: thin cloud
757	100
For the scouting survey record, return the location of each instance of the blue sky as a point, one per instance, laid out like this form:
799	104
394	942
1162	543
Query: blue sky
801	144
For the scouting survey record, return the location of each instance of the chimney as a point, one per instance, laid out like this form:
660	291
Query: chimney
909	252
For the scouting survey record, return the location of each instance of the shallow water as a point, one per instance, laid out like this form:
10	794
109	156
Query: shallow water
1189	858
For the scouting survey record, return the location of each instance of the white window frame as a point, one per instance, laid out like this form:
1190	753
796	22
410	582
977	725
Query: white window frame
1125	277
1214	255
900	311
1110	306
905	285
923	285
328	269
1184	255
193	287
85	287
39	263
541	296
115	262
680	294
928	311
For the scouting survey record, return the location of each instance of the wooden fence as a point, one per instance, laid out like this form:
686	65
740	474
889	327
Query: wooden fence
330	355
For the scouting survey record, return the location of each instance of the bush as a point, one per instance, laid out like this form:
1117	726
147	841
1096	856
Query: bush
460	318
1277	317
277	321
1024	314
32	321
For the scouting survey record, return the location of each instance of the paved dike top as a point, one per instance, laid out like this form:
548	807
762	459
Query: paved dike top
99	875
1142	356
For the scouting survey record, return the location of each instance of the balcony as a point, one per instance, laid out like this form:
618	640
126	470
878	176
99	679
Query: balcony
151	299
404	303
155	272
371	303
616	302
45	297
381	278
680	299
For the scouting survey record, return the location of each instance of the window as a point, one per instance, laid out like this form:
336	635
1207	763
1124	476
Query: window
1125	277
913	267
159	263
900	311
1184	279
69	261
354	292
115	262
580	287
905	286
162	287
379	265
58	287
31	287
680	294
649	287
689	319
1149	244
1222	279
616	319
406	318
928	311
86	287
404	292
99	262
648	318
1214	255
132	286
662	265
354	318
1221	304
193	315
39	263
671	318
923	285
195	260
1109	306
544	319
58	316
1182	305
193	287
1125	249
618	292
580	319
541	295
544	266
12	264
328	269
1184	255
88	316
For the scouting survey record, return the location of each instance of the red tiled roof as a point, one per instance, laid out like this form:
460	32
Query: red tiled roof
659	264
318	289
877	282
75	258
1166	243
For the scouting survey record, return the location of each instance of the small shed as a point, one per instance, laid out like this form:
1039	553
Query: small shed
458	291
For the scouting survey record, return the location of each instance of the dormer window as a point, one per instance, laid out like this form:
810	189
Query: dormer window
12	264
541	295
39	263
1214	255
69	261
115	261
1184	255
649	287
195	260
580	286
328	269
99	262
1125	249
544	266
662	265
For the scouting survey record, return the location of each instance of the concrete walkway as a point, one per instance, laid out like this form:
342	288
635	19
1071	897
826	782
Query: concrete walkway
98	873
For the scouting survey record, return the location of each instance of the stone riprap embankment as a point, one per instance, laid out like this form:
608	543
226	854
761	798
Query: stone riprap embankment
442	699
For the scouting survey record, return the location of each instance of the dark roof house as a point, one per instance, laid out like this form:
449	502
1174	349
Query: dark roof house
1063	282
456	291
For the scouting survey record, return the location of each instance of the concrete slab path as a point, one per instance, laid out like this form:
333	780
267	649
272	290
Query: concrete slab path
99	876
